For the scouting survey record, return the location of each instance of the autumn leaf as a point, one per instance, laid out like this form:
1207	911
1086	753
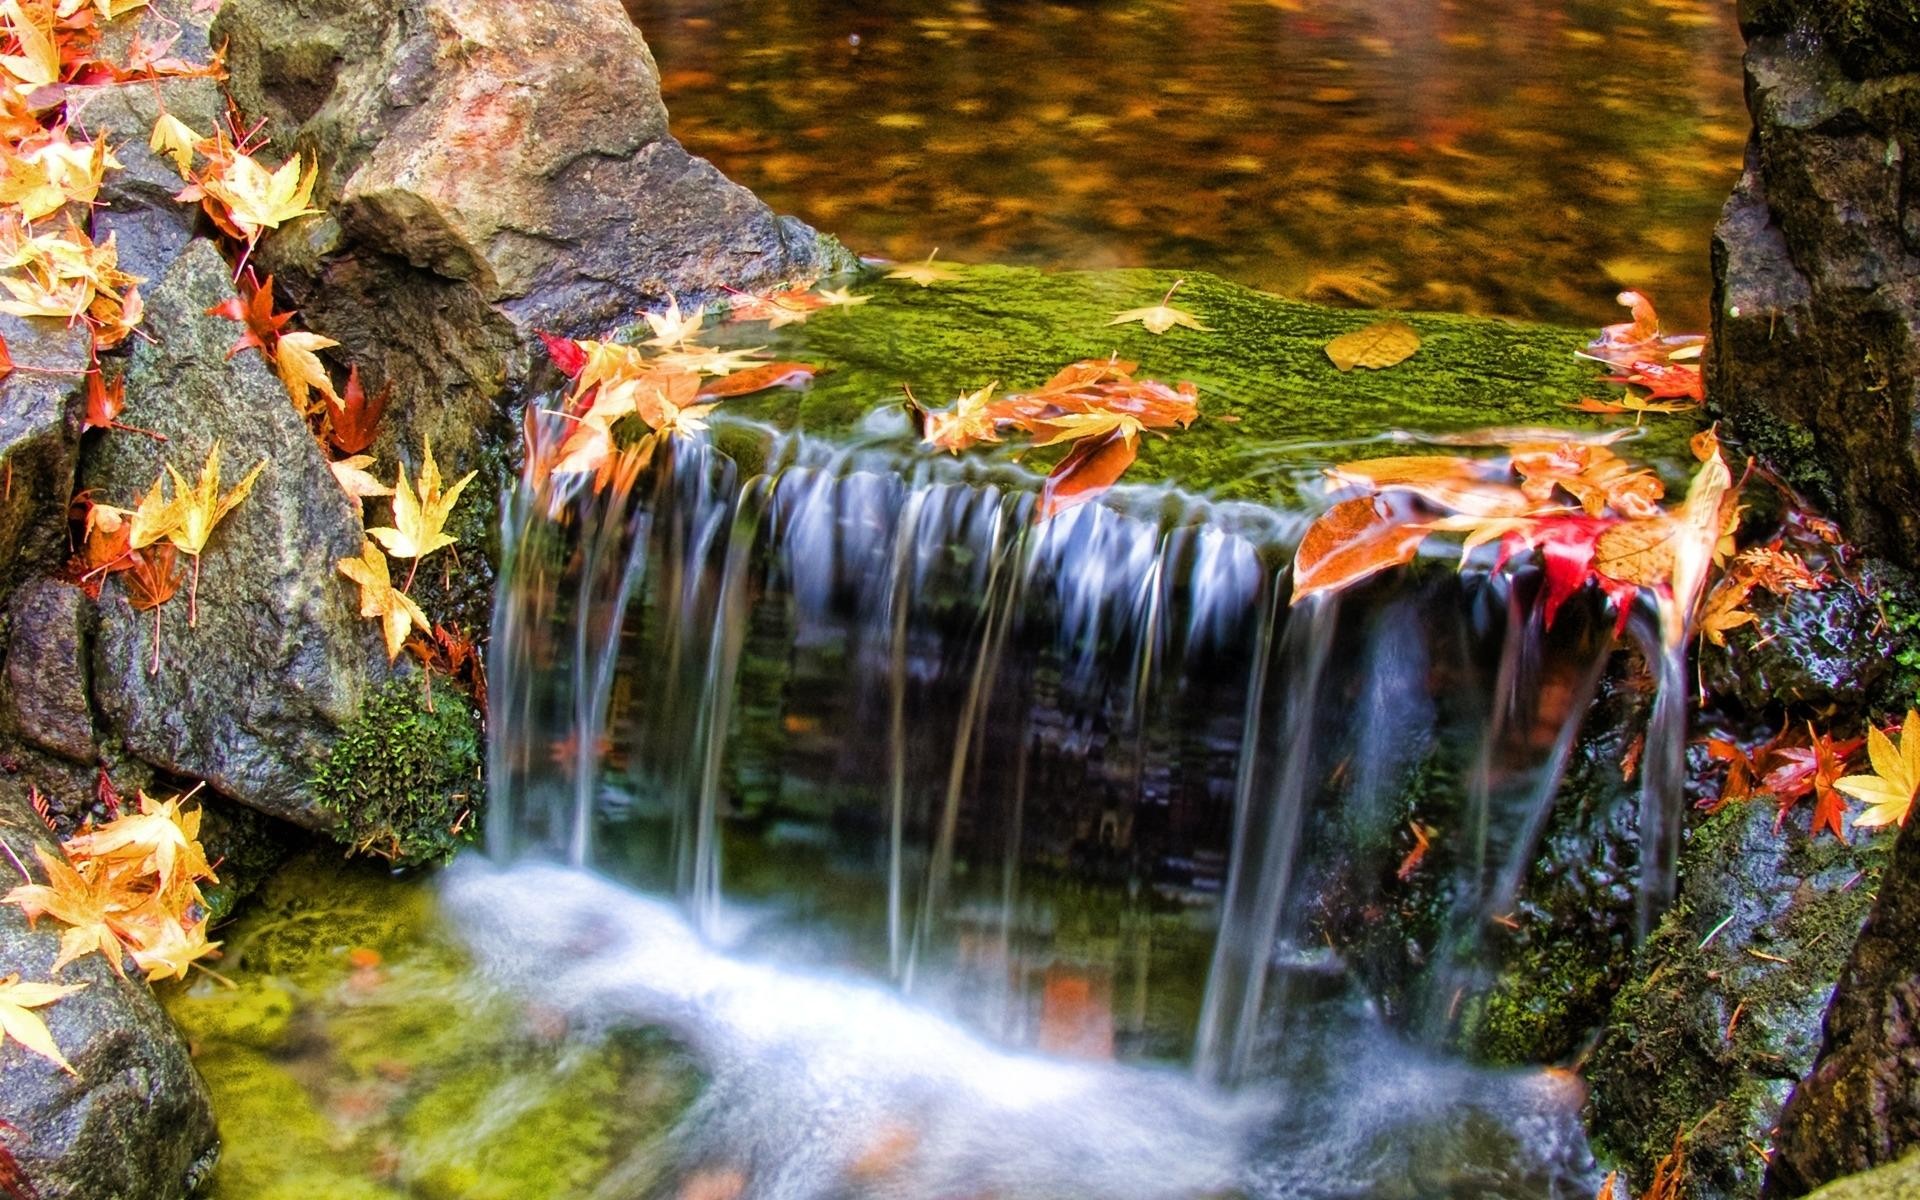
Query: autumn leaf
395	610
927	273
1811	769
1376	347
80	903
19	1022
420	516
1350	542
1889	791
1640	339
760	378
43	175
201	508
162	944
354	418
254	309
1662	381
566	353
13	1181
842	298
1458	484
702	361
354	479
162	839
1158	318
782	306
1741	774
37	63
1073	427
1422	843
155	516
971	420
176	139
1094	464
302	371
256	199
672	329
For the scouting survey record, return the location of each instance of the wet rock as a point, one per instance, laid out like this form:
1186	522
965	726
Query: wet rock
1895	1182
136	1123
39	440
251	699
1722	1012
1859	1107
1818	649
44	696
1816	339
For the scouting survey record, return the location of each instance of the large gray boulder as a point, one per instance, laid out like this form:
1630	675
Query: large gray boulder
252	698
1816	346
39	443
135	1123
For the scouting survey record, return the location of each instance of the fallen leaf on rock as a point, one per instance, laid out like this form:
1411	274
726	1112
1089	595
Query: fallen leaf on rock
1889	791
1158	318
419	517
396	611
354	417
19	1022
926	274
1351	541
1376	347
302	371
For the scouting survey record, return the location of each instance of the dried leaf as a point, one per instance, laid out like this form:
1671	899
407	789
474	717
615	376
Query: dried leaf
353	419
1376	347
1350	542
926	274
1889	791
1158	318
301	370
1090	468
420	516
19	1022
395	610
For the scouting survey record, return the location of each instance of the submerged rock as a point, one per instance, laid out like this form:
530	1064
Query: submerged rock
135	1123
1859	1107
250	699
1816	339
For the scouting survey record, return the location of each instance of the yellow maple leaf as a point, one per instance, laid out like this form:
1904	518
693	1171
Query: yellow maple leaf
202	506
1074	426
1896	776
176	139
1158	318
18	1022
396	611
154	517
162	944
420	516
672	329
926	274
42	180
38	62
302	371
81	903
160	839
356	481
257	199
842	298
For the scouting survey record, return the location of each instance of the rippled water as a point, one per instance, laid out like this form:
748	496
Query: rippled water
1524	158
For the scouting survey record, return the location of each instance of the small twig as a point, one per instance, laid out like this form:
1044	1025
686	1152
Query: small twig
224	981
1715	932
1738	1009
1772	958
15	860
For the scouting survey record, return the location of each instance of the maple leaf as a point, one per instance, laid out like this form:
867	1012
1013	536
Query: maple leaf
13	1181
1158	318
155	516
37	63
970	420
41	177
176	139
782	306
1741	773
419	516
162	840
19	1022
927	273
1592	474
1073	427
1813	768
1889	791
1465	485
1376	347
1725	609
201	508
1662	381
671	329
254	309
395	610
152	580
352	476
1640	339
1351	541
161	943
82	904
701	361
256	199
302	371
842	298
566	353
354	418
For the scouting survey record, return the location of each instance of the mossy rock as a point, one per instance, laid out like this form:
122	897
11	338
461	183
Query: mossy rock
404	778
1722	1014
1897	1181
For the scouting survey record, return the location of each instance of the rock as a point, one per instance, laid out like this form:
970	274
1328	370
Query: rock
136	1123
1896	1182
136	205
1859	1107
39	440
1816	341
1819	649
1722	1012
45	693
250	700
1871	37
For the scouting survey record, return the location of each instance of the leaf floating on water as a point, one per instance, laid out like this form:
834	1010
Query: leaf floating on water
1094	465
926	274
1376	347
1352	540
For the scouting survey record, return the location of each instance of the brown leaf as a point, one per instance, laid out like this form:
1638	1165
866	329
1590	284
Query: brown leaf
1376	347
1090	468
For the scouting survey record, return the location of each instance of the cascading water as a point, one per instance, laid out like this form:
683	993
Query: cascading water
1089	786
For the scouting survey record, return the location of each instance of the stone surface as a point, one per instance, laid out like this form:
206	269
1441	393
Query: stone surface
1872	37
1896	1182
136	1124
1816	346
251	699
1722	1012
1859	1107
1823	649
43	690
39	441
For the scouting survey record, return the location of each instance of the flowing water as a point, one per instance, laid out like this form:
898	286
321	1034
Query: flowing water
853	833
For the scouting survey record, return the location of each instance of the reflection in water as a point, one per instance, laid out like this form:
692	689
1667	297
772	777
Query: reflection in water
1519	157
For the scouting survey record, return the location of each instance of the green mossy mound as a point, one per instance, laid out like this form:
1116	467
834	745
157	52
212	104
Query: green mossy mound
404	778
354	1059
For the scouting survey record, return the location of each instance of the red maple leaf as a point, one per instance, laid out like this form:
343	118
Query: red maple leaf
1811	769
352	423
254	309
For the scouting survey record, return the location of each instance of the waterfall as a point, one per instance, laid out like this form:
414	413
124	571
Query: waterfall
1089	783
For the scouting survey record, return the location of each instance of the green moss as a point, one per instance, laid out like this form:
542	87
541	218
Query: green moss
403	775
1896	1181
